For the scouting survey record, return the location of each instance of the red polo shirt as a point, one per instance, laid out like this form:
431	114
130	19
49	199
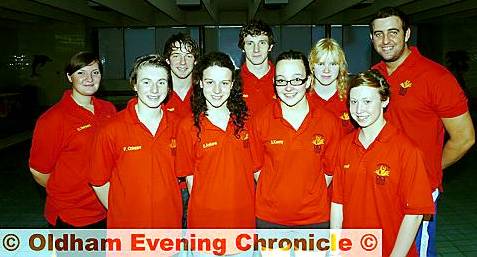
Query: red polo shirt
140	168
291	189
423	92
257	92
379	185
223	190
337	106
60	147
179	107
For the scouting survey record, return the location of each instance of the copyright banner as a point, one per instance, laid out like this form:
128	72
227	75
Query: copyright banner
218	242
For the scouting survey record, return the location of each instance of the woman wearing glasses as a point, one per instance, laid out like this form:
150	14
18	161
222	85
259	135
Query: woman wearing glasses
330	79
294	145
213	148
134	154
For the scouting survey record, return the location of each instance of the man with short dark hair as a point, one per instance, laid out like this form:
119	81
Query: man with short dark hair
256	42
426	102
182	53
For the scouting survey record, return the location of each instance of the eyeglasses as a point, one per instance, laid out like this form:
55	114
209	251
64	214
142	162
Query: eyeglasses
294	82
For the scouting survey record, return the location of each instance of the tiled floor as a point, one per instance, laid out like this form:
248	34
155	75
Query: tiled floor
21	201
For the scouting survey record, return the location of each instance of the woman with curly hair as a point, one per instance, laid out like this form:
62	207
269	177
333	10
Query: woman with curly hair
213	148
330	78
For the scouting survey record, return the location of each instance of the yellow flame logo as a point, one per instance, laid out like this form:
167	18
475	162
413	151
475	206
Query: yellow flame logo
383	170
318	140
406	84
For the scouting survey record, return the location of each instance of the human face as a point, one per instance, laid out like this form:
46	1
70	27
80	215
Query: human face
256	49
151	86
389	38
287	70
86	80
366	106
216	84
181	60
326	70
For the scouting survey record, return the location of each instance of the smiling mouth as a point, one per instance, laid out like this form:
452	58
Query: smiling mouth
216	97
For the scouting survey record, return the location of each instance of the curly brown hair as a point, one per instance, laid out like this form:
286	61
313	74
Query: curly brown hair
235	103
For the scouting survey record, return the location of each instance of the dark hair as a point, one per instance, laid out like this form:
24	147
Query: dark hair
80	60
295	55
255	28
235	103
153	60
180	39
388	12
371	78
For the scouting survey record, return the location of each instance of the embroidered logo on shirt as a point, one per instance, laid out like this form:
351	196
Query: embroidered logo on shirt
244	137
211	144
382	171
132	148
173	146
346	166
84	127
276	142
171	109
404	86
344	116
318	141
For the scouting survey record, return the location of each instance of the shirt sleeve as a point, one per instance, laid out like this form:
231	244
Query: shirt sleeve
414	188
448	97
102	159
332	148
337	184
184	161
256	145
47	143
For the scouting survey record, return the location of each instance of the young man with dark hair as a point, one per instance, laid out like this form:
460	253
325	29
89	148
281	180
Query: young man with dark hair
256	42
426	102
181	52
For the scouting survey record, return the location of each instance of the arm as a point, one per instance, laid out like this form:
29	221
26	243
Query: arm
40	178
406	235
190	182
461	138
336	216
102	192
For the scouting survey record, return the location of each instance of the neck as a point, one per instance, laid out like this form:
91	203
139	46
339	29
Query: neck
301	107
146	113
81	100
392	66
369	134
258	70
325	92
222	110
179	84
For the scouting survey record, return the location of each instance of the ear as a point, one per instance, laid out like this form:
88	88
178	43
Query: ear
385	103
308	82
407	35
371	36
201	85
270	48
135	87
69	78
168	62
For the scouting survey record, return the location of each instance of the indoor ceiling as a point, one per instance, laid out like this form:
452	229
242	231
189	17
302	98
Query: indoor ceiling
113	13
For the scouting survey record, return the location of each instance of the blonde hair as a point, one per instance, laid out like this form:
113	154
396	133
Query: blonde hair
328	46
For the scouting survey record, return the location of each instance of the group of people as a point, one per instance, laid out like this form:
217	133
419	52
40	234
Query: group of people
290	144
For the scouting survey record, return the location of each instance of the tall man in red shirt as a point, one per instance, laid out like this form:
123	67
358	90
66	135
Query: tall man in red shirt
181	52
256	42
426	102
